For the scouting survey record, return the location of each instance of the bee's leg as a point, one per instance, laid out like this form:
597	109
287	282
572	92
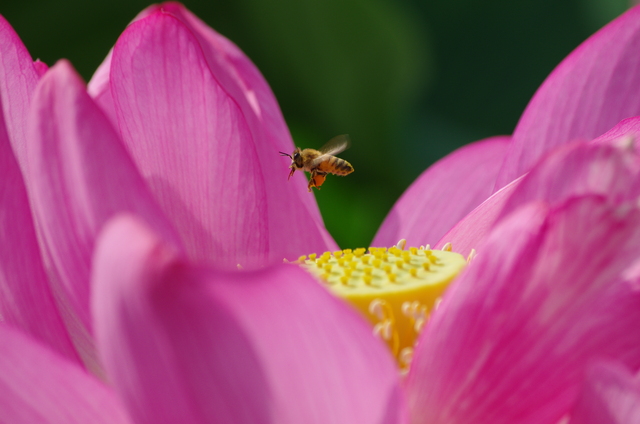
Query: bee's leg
311	182
317	179
291	173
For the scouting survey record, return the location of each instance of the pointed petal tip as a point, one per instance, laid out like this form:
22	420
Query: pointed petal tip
590	91
225	214
19	77
40	67
60	78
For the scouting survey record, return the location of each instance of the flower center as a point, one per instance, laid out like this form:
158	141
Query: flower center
395	289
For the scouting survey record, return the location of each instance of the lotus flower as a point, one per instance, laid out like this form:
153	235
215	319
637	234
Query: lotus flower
125	210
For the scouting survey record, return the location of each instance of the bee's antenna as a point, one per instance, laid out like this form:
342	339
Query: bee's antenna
286	154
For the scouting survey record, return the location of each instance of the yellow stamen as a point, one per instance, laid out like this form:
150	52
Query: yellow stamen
472	255
395	289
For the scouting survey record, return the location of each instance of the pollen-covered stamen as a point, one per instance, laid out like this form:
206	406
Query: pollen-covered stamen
472	255
385	328
394	288
416	313
405	357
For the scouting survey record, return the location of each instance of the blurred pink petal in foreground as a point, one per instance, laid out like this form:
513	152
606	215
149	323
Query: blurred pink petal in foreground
550	291
610	395
76	185
184	343
39	386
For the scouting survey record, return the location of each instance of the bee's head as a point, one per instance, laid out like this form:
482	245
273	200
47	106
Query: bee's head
297	158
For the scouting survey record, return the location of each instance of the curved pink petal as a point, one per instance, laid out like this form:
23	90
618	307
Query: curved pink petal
40	67
26	300
186	344
602	167
444	194
550	290
38	386
596	86
629	127
18	78
207	156
236	73
99	88
233	70
610	395
80	176
240	77
469	233
578	169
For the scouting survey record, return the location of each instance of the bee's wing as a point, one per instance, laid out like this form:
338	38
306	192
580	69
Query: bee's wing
336	145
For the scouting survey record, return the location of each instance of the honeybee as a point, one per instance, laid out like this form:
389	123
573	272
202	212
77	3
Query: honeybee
321	162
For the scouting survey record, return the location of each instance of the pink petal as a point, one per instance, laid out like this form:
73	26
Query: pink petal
239	77
18	78
589	92
38	386
233	70
606	168
629	127
187	344
40	67
444	194
26	300
610	395
80	176
210	160
548	292
470	232
99	88
235	73
578	169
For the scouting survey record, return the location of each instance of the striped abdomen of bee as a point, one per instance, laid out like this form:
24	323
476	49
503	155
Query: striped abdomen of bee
334	165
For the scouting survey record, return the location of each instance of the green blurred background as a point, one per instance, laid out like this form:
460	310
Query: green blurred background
409	80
